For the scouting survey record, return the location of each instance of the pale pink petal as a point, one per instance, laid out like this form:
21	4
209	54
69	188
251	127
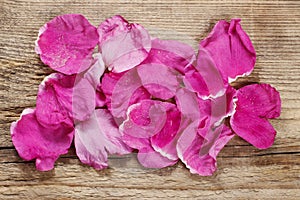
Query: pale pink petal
66	43
171	53
152	159
161	81
256	103
144	119
96	137
34	141
231	49
190	149
123	45
94	73
63	98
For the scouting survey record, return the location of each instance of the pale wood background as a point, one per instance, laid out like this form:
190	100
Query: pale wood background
244	172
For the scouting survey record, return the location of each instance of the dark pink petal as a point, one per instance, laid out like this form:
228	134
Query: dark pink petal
34	141
205	77
96	137
165	140
255	130
144	119
123	45
161	81
231	49
152	159
171	53
256	103
198	158
66	43
63	98
259	99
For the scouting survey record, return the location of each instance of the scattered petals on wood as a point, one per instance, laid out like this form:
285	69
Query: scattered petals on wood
145	94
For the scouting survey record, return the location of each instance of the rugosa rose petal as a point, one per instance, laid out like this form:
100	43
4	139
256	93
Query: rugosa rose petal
165	140
34	141
204	78
231	49
171	53
66	43
123	45
190	149
152	159
256	103
96	137
144	119
94	73
161	81
62	98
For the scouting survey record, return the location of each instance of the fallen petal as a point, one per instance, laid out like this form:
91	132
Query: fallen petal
66	43
34	141
123	45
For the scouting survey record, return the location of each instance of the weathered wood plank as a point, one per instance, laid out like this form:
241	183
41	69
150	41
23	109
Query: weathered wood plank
244	172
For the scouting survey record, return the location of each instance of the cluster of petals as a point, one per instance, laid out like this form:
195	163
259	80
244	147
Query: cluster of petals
117	90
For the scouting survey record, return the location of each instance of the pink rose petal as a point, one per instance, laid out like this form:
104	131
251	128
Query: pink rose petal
123	45
66	43
144	119
256	103
231	49
96	137
34	141
171	53
152	159
189	148
161	81
63	98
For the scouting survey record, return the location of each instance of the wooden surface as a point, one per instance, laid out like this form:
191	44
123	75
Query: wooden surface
244	172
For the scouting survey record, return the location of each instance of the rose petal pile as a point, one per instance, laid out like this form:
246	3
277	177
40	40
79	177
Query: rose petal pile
117	89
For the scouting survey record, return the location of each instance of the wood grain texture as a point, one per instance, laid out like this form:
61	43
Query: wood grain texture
244	172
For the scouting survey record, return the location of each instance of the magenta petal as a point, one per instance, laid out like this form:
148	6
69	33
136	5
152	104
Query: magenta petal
259	99
205	77
96	137
62	98
34	141
123	45
161	81
190	149
256	103
144	119
152	159
66	43
171	53
165	140
257	131
231	49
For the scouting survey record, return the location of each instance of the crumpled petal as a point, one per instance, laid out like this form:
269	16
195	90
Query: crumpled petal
161	81
94	73
231	49
34	141
96	137
190	149
256	103
171	53
63	98
123	45
66	43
